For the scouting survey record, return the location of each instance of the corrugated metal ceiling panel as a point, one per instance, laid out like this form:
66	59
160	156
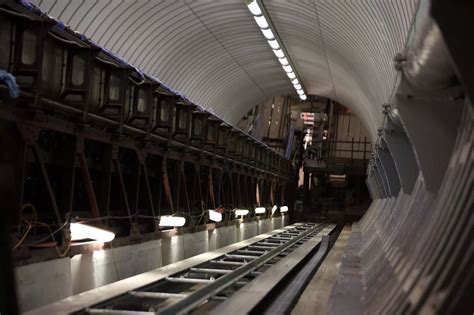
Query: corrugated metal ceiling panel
214	53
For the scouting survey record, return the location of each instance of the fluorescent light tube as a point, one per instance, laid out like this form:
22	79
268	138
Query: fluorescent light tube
215	216
279	53
168	220
261	21
241	212
81	231
275	207
297	86
254	8
268	33
274	44
284	209
260	210
283	61
291	75
300	92
295	81
303	97
287	68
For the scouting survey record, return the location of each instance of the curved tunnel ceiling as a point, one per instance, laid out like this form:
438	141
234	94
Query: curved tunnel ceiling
214	53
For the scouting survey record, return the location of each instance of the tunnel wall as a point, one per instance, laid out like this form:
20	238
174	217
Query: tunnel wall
45	282
412	254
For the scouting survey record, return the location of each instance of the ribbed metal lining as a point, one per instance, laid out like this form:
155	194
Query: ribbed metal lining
345	49
214	53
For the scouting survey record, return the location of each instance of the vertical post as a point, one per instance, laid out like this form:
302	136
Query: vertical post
306	188
87	178
365	149
211	188
118	169
68	175
106	179
166	183
12	168
352	151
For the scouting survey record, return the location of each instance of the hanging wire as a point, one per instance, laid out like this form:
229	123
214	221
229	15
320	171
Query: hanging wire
35	223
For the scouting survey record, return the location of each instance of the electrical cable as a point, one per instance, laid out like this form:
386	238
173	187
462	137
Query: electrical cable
30	225
34	223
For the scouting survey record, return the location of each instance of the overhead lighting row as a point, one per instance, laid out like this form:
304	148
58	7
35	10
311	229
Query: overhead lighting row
273	42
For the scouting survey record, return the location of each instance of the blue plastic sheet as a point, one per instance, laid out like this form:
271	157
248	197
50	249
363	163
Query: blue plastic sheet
9	79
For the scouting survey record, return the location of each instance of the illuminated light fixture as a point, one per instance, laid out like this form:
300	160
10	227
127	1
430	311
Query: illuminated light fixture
215	216
300	92
169	220
274	44
284	209
241	212
259	14
254	8
288	68
283	61
81	231
279	53
268	33
261	21
274	209
260	210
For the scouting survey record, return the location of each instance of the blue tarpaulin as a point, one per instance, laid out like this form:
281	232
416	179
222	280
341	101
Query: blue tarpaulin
9	79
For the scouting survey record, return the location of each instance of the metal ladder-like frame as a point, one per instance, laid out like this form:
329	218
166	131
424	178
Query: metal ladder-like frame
214	280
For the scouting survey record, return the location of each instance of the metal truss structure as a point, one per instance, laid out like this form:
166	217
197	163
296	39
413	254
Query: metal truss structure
93	138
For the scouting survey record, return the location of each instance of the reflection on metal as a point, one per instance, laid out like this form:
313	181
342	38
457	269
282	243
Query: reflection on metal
209	282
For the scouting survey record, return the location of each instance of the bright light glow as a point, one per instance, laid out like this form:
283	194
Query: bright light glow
241	212
264	26
260	210
168	220
274	44
283	209
268	33
261	21
279	53
275	207
288	68
283	61
81	231
215	216
254	8
300	92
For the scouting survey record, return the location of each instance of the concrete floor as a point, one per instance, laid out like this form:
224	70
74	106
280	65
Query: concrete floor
315	297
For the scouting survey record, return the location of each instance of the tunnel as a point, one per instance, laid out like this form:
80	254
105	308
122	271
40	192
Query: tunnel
236	157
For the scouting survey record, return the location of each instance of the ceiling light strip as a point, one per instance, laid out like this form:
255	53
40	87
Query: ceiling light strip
265	24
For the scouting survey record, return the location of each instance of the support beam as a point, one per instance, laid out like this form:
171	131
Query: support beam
403	156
